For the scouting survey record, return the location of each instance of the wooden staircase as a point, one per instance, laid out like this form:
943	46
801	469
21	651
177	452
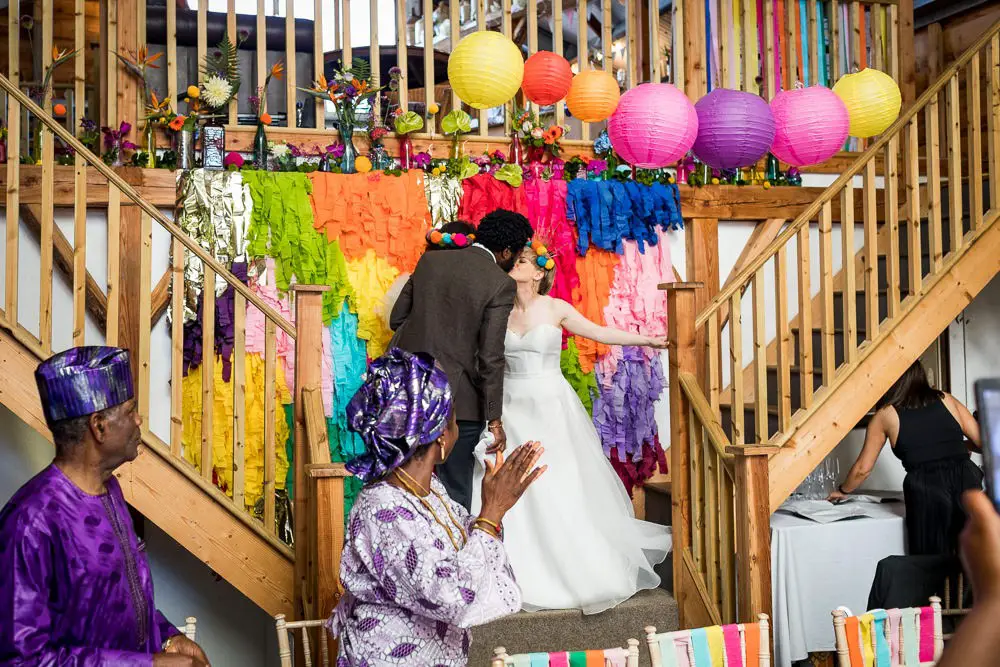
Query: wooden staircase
215	526
797	347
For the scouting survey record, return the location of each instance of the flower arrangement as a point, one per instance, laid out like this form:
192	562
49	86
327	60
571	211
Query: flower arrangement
456	123
536	135
138	65
116	144
40	95
258	102
348	89
221	74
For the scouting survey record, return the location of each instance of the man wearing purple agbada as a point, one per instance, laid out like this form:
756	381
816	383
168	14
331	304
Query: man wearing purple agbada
75	587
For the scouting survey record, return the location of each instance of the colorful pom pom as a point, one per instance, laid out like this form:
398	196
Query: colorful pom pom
549	265
446	238
436	237
541	250
540	261
460	240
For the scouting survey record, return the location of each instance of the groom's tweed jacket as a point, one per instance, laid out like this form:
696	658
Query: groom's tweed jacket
455	307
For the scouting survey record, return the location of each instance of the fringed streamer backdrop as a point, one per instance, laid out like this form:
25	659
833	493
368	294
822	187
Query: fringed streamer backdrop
362	234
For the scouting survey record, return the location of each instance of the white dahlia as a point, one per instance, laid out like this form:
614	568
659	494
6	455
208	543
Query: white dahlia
216	91
279	150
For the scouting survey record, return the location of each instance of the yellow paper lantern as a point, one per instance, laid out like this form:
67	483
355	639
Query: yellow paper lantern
485	69
593	96
872	99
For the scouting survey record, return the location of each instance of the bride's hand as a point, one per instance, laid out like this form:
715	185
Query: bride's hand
657	342
506	481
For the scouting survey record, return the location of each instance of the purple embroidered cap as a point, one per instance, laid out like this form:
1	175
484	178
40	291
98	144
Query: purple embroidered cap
83	380
404	403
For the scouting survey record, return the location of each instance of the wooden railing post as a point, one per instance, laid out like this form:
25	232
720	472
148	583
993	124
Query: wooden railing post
681	314
753	531
308	365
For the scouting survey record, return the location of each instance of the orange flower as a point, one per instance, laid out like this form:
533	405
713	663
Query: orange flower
265	118
553	134
177	123
147	60
278	70
59	110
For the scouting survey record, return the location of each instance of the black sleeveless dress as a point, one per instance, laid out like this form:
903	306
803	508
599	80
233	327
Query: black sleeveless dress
938	469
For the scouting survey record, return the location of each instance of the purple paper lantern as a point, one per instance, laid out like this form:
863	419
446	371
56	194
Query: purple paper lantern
654	125
811	125
735	129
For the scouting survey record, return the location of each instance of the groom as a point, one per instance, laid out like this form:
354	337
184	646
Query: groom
455	307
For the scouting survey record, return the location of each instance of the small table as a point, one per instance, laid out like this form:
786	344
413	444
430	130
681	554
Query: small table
817	567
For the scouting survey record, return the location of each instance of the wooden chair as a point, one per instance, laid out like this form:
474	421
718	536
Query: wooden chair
188	629
746	636
851	650
954	600
613	657
285	628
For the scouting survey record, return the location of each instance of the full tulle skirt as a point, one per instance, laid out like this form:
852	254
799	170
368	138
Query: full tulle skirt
572	539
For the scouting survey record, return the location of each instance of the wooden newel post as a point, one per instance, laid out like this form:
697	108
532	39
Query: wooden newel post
308	373
681	313
753	531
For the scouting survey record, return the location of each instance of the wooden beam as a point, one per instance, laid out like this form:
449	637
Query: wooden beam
753	531
308	355
681	306
906	53
97	302
160	297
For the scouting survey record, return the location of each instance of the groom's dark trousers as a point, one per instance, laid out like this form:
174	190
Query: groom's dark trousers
456	472
455	307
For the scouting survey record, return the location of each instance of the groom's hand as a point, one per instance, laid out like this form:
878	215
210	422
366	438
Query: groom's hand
499	437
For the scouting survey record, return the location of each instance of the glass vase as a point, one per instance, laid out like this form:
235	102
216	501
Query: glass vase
149	144
346	131
260	148
213	146
516	150
406	152
184	147
379	157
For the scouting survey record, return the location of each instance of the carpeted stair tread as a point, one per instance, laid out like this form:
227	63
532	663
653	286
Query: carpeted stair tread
571	630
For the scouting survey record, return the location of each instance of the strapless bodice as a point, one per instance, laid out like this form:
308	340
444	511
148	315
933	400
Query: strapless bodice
534	354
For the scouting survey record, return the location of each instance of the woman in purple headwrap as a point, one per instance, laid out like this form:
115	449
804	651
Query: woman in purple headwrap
417	569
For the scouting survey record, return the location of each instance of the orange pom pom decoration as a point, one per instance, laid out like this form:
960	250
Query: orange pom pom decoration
436	236
547	78
59	110
593	96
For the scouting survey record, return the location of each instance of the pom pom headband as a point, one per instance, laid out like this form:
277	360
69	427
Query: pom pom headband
446	240
544	258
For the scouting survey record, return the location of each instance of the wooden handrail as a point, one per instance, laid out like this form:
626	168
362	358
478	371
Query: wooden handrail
740	281
148	208
705	414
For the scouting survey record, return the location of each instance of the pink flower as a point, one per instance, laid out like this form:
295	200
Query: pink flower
233	160
537	133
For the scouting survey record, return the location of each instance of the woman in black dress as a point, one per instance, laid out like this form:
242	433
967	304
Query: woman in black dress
925	428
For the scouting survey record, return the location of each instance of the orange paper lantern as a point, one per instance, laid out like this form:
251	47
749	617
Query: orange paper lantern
593	96
547	78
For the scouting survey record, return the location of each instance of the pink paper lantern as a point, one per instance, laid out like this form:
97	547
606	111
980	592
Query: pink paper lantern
811	125
654	125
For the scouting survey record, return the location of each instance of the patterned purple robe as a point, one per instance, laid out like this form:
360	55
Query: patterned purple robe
75	587
409	596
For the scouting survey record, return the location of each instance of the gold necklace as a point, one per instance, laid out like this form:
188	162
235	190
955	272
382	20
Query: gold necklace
456	522
429	508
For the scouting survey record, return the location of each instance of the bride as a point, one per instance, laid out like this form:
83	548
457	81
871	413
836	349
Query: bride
573	540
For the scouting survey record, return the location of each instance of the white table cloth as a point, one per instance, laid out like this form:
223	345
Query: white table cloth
816	568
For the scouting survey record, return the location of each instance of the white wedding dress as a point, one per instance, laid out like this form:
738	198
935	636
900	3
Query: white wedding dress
572	539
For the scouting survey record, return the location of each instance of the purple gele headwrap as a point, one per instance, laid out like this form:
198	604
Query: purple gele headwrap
404	403
82	381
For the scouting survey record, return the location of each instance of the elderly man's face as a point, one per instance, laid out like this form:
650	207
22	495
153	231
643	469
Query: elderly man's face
119	436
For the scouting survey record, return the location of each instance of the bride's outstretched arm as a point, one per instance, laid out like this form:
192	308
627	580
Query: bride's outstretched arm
577	324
